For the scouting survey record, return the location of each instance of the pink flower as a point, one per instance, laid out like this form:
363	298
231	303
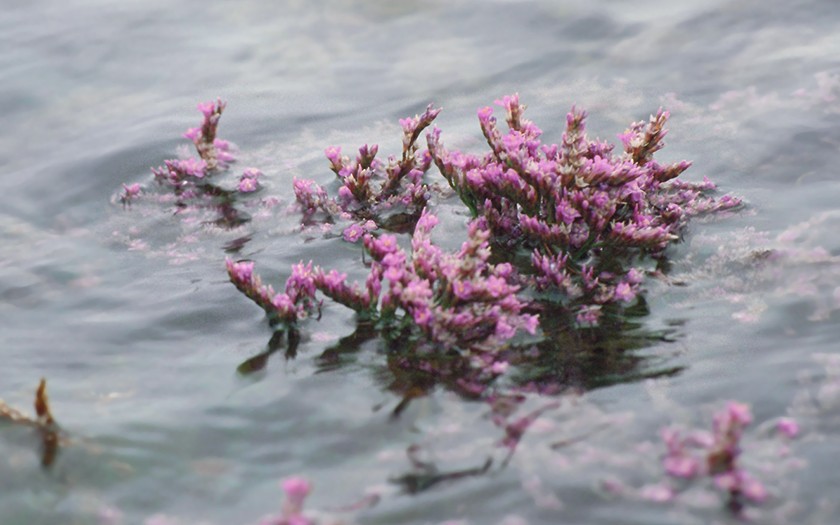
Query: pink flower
193	134
248	185
296	489
463	290
589	315
508	101
788	427
241	272
353	233
207	108
333	154
485	114
130	191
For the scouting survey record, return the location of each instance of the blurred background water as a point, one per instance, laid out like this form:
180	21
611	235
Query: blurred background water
129	314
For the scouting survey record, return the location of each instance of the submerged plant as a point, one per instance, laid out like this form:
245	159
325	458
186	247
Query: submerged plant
716	454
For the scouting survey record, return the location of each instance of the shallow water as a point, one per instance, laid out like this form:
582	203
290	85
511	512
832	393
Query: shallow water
130	316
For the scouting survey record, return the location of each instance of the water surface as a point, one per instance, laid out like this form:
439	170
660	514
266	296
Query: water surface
129	314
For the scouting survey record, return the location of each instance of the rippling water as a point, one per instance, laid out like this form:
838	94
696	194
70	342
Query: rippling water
129	314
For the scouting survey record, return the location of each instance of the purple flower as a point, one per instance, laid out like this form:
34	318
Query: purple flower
788	427
485	114
353	233
207	108
193	134
241	272
248	185
130	191
296	489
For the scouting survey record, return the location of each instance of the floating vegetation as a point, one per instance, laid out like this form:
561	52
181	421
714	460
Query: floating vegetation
545	294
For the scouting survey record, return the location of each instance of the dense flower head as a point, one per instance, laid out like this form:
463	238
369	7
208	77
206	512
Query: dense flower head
456	300
576	201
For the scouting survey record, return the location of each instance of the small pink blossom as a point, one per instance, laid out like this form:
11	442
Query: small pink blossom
248	185
207	108
296	489
739	412
485	114
788	427
353	233
193	134
240	271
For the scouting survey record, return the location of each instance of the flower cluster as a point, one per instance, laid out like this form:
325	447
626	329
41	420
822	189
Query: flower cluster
190	178
584	213
566	225
213	153
444	301
716	454
454	300
295	303
390	195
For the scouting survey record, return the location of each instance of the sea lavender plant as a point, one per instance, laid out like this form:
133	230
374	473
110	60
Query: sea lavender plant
213	153
716	454
568	225
586	215
190	178
441	301
389	195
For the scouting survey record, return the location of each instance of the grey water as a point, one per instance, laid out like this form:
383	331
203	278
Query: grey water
128	313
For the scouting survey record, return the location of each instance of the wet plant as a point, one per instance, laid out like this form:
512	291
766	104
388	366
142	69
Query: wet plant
590	220
373	194
190	179
561	239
